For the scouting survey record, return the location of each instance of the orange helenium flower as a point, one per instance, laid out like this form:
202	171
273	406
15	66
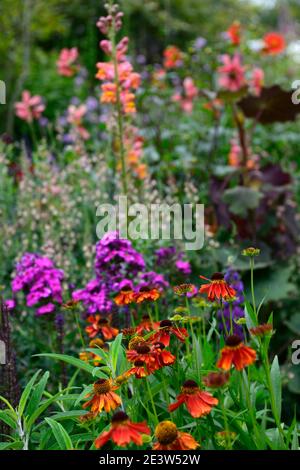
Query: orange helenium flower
146	325
166	328
236	353
169	438
125	297
198	402
103	397
145	293
139	369
217	288
123	431
162	356
142	352
100	325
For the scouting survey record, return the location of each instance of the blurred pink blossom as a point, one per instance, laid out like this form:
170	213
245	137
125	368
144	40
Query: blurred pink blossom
30	108
257	80
231	73
66	62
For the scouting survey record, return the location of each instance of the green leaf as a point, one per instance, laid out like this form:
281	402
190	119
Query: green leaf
42	408
240	199
276	384
115	349
74	362
8	418
37	394
68	414
16	445
26	393
251	320
63	439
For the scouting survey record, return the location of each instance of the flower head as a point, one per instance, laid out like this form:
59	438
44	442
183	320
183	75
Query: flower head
146	325
183	289
146	294
236	353
251	252
103	396
30	108
217	288
257	80
101	325
234	33
123	431
216	379
66	62
125	296
274	43
198	402
169	438
166	329
172	57
231	73
262	330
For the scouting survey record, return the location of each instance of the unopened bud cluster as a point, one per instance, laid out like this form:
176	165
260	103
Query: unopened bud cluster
112	20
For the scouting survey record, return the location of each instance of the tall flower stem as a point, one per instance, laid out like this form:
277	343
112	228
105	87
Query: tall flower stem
112	37
252	283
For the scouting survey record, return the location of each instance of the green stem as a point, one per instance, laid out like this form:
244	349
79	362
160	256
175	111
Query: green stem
119	109
151	399
252	284
79	329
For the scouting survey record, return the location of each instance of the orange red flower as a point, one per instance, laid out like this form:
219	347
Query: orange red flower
217	288
125	297
101	325
198	402
166	328
172	57
123	431
169	438
146	325
146	293
234	33
236	353
216	379
262	330
103	396
274	43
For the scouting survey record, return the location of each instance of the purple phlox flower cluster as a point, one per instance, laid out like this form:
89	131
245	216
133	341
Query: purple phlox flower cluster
233	278
169	256
40	281
151	279
116	264
94	297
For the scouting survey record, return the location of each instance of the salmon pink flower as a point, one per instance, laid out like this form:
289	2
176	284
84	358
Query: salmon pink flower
198	402
231	73
30	108
74	117
109	93
169	438
217	288
123	431
274	43
66	62
236	353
